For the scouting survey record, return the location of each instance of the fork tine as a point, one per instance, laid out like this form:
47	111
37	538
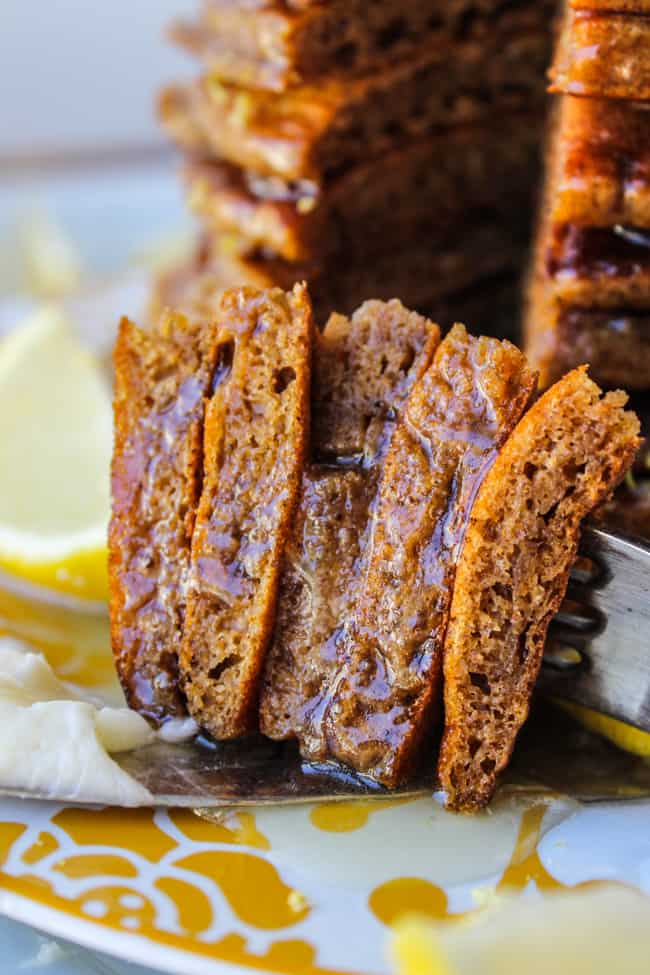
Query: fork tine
611	629
586	570
576	614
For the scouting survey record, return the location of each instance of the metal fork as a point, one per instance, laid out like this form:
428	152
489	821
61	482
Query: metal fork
598	649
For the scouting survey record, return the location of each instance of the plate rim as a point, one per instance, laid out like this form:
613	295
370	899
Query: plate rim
135	948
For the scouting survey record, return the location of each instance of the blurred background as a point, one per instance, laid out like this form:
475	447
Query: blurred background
79	78
87	190
78	136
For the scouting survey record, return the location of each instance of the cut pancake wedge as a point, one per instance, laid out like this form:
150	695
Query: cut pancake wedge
387	690
255	440
364	368
563	459
161	381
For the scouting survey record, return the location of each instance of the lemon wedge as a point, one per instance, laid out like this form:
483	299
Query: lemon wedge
593	931
55	449
622	735
415	948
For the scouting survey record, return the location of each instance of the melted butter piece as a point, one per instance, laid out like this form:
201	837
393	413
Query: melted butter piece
57	743
177	730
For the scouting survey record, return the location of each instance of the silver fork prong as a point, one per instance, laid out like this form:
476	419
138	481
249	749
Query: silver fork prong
562	656
606	620
587	570
579	616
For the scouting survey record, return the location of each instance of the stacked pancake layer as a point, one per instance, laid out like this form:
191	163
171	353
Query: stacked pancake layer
320	535
590	289
395	145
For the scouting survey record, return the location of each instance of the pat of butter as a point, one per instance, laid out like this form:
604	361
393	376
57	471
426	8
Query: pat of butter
56	743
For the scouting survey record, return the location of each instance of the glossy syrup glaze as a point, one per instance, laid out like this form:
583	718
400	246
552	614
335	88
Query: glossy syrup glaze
590	252
364	370
161	381
385	696
256	434
602	163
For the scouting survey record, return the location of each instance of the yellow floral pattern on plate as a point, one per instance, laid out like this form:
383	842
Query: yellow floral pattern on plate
223	890
295	890
169	876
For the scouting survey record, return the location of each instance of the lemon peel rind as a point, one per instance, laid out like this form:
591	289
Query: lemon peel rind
28	548
624	736
82	575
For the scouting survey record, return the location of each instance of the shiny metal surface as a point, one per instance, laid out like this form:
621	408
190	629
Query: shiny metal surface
598	651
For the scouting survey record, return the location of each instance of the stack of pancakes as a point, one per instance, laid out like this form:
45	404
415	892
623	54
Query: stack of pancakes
590	294
374	149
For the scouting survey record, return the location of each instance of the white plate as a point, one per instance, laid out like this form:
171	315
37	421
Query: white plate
294	890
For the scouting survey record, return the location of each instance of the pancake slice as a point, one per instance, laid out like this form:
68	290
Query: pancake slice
603	54
372	206
278	45
386	694
364	369
256	435
312	131
562	460
161	381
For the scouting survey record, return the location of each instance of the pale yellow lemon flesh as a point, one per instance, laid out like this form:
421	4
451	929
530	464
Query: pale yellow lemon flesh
535	936
55	448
